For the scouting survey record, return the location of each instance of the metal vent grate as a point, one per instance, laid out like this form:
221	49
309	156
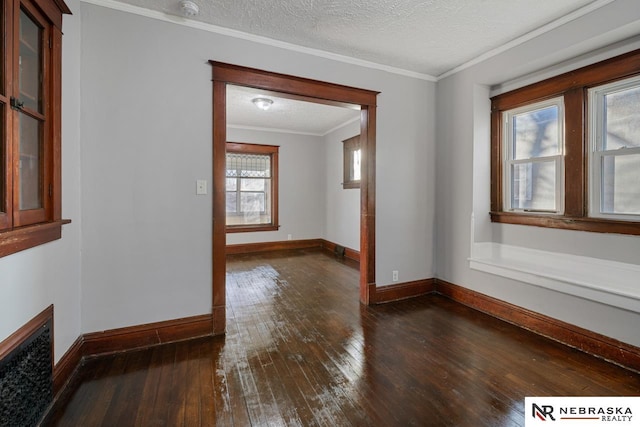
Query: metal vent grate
26	381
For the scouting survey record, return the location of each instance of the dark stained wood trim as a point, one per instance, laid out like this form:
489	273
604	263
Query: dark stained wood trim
573	87
273	152
368	203
596	225
219	235
147	335
247	248
292	85
349	145
349	253
53	9
587	341
313	91
24	332
497	190
19	239
612	69
66	367
404	290
575	171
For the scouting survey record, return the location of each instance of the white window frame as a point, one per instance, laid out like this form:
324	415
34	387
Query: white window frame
596	143
508	161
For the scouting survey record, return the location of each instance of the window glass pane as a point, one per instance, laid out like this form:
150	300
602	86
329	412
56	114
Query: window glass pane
30	163
252	184
232	200
355	165
535	133
250	165
30	62
252	202
622	119
232	184
533	186
621	184
3	157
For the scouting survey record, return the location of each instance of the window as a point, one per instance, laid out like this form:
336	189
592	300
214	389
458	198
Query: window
534	144
251	187
614	168
352	156
30	188
565	152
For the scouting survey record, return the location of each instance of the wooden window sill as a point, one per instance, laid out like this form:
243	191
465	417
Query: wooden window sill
250	228
596	225
21	238
351	184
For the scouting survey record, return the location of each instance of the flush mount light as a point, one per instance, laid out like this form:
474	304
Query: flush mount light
262	103
189	8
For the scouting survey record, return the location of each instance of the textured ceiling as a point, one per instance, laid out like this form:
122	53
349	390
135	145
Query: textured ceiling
424	36
284	114
429	37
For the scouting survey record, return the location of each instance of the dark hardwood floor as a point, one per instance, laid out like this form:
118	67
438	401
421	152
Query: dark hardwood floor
301	351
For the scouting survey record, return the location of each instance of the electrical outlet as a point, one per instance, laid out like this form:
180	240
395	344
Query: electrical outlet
289	237
395	275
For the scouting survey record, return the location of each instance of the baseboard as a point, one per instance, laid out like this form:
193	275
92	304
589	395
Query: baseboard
67	365
349	253
401	291
247	248
598	345
147	335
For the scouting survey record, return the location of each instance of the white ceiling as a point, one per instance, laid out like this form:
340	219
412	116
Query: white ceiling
425	37
285	114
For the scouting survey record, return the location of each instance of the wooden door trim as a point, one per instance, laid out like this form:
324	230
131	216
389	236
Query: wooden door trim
314	91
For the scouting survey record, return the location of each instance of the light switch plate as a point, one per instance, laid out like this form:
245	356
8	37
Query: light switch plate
201	186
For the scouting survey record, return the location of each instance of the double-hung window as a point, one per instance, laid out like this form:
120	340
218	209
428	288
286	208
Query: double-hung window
614	179
251	187
565	152
534	146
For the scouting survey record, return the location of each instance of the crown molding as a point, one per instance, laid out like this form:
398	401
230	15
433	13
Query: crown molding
165	17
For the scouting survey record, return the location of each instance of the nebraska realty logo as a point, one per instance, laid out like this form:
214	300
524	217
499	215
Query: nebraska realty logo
582	411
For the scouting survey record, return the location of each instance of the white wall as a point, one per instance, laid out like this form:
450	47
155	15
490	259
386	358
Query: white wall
463	172
33	279
146	122
300	181
341	206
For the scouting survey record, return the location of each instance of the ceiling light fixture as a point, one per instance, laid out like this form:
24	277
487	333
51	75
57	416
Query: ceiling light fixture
189	8
262	103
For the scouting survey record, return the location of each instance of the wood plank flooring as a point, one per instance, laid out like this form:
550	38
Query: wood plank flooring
301	351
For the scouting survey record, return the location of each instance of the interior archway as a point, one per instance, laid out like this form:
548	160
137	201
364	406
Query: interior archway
314	91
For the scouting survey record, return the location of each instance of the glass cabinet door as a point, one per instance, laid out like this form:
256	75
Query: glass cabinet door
30	114
4	122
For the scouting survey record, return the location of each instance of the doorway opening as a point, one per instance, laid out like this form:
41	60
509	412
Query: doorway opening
302	89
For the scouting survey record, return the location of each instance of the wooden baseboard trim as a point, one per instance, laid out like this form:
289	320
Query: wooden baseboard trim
401	291
349	253
598	345
247	248
64	370
147	335
18	337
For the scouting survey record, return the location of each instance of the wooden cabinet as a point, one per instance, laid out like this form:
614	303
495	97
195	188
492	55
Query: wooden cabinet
30	105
